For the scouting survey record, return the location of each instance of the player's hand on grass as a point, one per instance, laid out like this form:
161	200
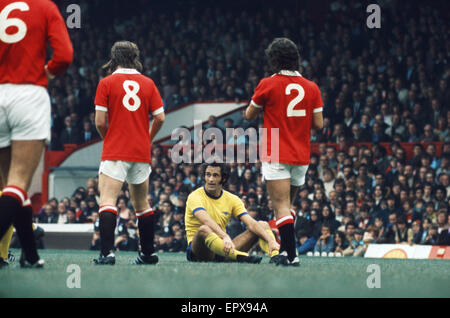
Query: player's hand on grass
228	245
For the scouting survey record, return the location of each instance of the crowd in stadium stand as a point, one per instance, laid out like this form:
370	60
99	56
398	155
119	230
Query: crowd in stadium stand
378	85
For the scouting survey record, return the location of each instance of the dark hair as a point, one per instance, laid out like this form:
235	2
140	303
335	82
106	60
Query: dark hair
253	208
351	223
224	170
401	220
364	208
124	54
282	54
342	236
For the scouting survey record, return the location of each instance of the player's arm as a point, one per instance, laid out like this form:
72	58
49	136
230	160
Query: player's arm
59	41
258	100
101	121
254	227
317	122
252	110
158	121
205	219
157	110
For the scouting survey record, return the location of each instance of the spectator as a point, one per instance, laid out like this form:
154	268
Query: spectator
444	236
70	134
418	232
88	133
428	134
378	134
62	213
178	243
329	218
48	215
432	236
308	228
166	216
305	242
387	236
350	228
441	130
371	235
356	246
164	242
441	220
403	234
326	240
440	201
340	243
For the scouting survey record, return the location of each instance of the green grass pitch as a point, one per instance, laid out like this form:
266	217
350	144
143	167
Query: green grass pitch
174	277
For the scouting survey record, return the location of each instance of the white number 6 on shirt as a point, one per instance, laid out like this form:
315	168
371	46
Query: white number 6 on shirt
6	23
131	94
291	112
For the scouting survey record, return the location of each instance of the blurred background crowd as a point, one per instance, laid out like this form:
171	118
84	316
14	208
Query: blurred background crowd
387	86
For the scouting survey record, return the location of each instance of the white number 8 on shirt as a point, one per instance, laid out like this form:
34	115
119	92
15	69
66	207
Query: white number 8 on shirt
131	95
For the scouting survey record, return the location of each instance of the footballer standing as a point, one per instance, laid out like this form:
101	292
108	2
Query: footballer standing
26	28
294	105
123	102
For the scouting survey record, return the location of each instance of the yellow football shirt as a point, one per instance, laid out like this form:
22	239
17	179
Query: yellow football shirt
220	209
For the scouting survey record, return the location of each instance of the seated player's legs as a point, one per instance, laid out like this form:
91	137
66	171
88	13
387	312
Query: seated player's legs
137	179
207	246
199	251
25	128
247	239
5	242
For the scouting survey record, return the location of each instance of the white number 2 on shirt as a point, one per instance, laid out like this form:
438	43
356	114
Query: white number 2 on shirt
131	94
6	23
291	112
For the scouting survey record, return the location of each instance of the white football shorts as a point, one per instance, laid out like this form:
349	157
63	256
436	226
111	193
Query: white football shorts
279	171
24	113
132	172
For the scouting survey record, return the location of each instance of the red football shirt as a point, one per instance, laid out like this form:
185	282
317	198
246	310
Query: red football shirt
128	97
23	43
289	101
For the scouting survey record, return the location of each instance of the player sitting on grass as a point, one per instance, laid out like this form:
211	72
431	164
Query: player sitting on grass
208	211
